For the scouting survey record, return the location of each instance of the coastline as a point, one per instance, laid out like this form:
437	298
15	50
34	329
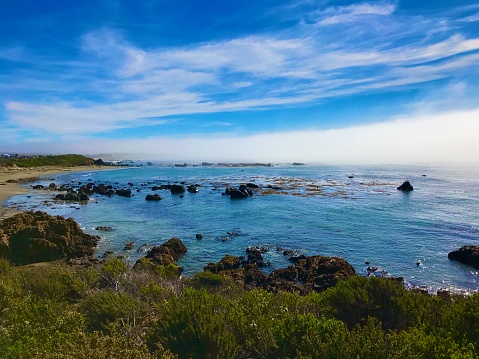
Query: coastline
24	175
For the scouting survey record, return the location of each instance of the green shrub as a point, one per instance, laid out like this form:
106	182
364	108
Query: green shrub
195	325
104	308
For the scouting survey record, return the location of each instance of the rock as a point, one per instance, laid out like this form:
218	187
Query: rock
129	246
228	262
99	162
177	189
38	186
199	236
123	192
107	254
104	228
153	197
319	273
252	185
255	257
174	247
32	237
350	177
238	194
52	186
192	189
467	255
314	273
162	259
406	187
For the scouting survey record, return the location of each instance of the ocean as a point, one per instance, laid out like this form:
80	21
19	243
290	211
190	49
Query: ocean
310	210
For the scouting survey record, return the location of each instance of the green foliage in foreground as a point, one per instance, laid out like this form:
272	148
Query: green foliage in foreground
60	160
114	312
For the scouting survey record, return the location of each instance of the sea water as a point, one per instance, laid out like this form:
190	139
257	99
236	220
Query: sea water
319	210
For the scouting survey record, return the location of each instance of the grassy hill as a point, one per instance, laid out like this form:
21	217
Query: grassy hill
38	161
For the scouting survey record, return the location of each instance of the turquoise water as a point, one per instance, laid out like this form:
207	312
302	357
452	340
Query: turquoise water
363	218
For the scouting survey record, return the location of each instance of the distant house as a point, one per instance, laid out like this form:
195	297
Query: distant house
6	155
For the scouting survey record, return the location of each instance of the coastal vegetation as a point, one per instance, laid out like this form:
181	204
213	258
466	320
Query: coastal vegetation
70	160
111	311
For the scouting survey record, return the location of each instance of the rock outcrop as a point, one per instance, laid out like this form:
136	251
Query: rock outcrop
32	237
406	187
162	259
314	273
467	255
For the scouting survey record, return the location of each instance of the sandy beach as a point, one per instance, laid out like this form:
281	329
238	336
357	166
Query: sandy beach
24	175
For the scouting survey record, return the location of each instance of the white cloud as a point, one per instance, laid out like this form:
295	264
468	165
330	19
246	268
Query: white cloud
351	13
449	137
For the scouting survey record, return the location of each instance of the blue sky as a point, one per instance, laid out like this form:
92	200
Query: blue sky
145	76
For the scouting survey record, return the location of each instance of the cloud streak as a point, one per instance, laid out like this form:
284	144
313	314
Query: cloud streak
113	81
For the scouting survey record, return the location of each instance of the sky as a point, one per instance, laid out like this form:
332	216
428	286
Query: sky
286	80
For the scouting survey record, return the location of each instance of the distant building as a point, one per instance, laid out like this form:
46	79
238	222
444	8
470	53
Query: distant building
6	155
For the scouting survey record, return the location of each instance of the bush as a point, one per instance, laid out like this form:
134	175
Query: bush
104	308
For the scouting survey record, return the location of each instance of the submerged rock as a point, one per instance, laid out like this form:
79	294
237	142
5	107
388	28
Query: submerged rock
406	187
467	255
32	237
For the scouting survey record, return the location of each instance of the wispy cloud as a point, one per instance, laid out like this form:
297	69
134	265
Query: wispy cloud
114	82
352	13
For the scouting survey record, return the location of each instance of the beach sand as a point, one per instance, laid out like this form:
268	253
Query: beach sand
24	175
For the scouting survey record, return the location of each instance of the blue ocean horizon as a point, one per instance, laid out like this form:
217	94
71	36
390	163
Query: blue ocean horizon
354	212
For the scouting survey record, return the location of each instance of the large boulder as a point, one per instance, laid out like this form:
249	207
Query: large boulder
406	187
467	254
32	237
319	273
162	259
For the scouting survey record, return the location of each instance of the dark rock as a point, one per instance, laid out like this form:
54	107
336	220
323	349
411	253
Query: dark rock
38	186
192	189
228	262
177	189
406	187
350	177
107	254
255	257
104	228
467	255
173	247
52	186
319	273
123	192
153	197
163	258
32	237
252	185
238	194
315	273
129	246
99	162
199	236
84	197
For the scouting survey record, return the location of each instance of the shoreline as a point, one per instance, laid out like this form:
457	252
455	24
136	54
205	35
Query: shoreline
25	175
